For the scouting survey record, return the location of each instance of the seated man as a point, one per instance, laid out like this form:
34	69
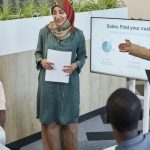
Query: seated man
123	112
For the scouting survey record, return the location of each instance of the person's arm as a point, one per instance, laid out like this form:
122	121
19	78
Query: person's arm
81	52
80	59
38	53
135	50
40	61
2	105
139	51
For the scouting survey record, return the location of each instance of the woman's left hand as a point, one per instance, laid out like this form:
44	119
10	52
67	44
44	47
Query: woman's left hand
70	69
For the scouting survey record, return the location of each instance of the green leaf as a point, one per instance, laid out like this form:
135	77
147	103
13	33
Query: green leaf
35	8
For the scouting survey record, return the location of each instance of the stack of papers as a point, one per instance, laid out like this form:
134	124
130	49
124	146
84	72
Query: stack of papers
60	59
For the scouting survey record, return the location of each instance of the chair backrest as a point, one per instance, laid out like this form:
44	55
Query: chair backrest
2	147
3	139
2	136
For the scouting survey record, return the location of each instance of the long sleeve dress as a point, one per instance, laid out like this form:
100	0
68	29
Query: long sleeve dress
59	102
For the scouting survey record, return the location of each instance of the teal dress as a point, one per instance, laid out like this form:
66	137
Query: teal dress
59	102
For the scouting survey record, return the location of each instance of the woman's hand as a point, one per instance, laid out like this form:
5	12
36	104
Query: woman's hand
46	64
70	69
2	117
124	47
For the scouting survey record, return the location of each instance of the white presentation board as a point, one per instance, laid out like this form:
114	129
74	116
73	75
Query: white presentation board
106	34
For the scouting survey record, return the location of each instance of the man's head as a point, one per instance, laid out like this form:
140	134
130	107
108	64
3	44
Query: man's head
123	110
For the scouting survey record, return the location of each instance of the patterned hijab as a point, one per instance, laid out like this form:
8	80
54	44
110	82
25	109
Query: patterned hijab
64	31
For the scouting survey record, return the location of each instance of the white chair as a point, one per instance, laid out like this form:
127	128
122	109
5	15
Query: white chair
2	147
2	136
3	139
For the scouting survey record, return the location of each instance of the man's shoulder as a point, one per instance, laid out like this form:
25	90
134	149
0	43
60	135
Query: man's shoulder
147	136
141	142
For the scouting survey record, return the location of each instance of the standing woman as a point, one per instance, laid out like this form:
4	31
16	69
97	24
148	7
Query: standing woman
58	103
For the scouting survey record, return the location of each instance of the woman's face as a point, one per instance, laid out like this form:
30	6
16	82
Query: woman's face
59	16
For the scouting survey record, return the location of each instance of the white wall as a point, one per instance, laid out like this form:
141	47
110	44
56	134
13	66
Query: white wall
22	34
138	8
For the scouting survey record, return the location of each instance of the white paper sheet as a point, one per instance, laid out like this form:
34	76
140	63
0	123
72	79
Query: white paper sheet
60	59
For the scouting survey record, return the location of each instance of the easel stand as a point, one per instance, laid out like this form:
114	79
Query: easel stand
146	102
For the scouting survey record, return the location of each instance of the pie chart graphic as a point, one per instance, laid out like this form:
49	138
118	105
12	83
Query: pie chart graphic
106	46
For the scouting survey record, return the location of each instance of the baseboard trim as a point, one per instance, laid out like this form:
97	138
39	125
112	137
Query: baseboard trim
92	114
37	136
25	141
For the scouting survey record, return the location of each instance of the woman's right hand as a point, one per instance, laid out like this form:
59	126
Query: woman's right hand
46	64
124	47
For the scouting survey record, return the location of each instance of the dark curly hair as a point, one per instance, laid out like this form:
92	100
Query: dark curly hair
123	110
